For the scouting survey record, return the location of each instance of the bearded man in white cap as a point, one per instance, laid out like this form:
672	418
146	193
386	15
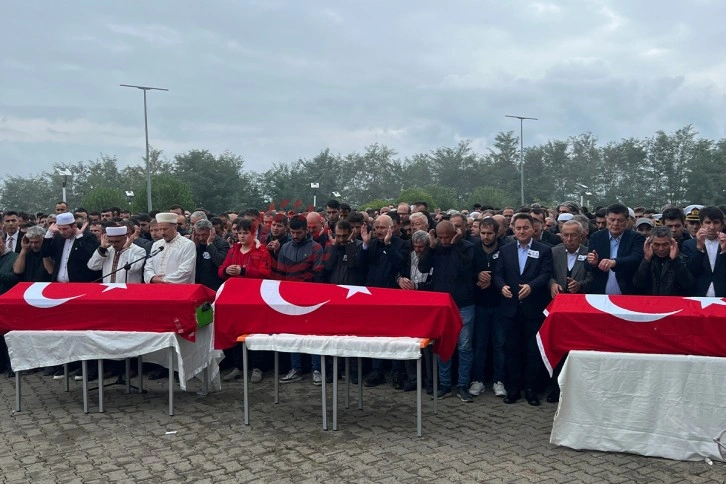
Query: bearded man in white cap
115	252
66	246
176	264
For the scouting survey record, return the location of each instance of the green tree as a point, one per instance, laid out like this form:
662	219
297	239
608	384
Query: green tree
490	196
32	194
103	197
411	195
375	204
166	190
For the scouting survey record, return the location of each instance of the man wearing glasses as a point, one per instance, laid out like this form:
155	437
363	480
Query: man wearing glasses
614	254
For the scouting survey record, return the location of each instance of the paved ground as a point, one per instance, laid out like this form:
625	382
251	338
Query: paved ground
52	440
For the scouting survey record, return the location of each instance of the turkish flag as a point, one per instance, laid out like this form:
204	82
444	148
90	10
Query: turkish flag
158	308
249	306
632	324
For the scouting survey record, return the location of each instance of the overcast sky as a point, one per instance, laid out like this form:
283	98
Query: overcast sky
276	80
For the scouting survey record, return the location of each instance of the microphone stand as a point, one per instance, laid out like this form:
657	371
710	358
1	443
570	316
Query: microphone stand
120	380
128	265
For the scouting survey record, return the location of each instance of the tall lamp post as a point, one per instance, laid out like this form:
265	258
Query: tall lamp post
521	150
315	187
65	173
146	131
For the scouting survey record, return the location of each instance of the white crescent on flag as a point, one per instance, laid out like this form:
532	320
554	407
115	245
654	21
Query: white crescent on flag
606	305
270	292
33	295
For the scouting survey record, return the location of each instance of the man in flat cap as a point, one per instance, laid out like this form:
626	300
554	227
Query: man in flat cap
176	263
114	253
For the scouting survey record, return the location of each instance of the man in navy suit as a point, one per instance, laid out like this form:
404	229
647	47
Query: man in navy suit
706	254
614	254
522	276
13	236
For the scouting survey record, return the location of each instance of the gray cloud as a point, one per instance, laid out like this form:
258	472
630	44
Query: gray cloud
278	80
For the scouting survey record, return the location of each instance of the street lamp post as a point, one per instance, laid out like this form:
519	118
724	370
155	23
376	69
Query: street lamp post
315	187
65	173
521	150
146	131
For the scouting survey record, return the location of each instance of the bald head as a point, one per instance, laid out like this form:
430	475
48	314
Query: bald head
315	223
382	225
503	225
445	231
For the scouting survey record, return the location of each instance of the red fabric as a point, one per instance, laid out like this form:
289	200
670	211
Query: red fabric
633	324
158	308
257	262
249	306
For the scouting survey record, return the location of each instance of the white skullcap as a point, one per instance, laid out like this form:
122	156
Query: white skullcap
564	217
115	231
65	218
166	218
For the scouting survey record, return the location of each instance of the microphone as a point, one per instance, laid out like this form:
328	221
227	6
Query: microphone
128	265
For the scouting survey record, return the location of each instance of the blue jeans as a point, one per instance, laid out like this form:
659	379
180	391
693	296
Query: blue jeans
466	353
488	325
296	362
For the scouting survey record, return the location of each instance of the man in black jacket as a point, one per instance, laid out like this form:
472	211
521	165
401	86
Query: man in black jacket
706	254
70	250
211	252
342	259
384	255
663	271
453	272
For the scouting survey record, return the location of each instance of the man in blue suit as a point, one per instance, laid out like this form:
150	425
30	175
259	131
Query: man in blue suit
614	254
522	276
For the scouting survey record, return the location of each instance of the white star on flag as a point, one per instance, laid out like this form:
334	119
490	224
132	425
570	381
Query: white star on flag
354	290
113	285
707	301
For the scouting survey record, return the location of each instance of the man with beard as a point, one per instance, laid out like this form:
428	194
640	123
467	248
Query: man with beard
488	323
663	271
278	235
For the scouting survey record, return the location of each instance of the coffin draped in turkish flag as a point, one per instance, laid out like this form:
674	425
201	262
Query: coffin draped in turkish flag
157	308
632	324
249	306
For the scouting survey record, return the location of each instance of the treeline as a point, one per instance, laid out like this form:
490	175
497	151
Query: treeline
678	168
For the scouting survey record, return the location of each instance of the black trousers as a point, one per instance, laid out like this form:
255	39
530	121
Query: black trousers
523	359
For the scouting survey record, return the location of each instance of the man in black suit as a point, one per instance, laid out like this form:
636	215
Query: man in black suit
614	254
70	250
706	254
13	236
522	276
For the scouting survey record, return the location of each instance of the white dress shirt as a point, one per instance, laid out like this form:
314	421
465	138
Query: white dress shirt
104	264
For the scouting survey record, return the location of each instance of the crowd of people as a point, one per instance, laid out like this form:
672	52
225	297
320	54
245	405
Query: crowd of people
502	267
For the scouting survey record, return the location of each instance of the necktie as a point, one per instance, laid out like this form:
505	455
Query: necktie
9	245
116	257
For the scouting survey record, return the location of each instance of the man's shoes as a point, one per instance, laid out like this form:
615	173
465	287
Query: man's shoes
397	380
235	374
58	374
476	388
292	376
410	386
158	374
554	396
443	393
511	398
50	370
499	389
256	375
374	379
429	389
11	373
464	395
317	378
531	397
92	375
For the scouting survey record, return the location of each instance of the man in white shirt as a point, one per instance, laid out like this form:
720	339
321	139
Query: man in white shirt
706	254
176	263
115	252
